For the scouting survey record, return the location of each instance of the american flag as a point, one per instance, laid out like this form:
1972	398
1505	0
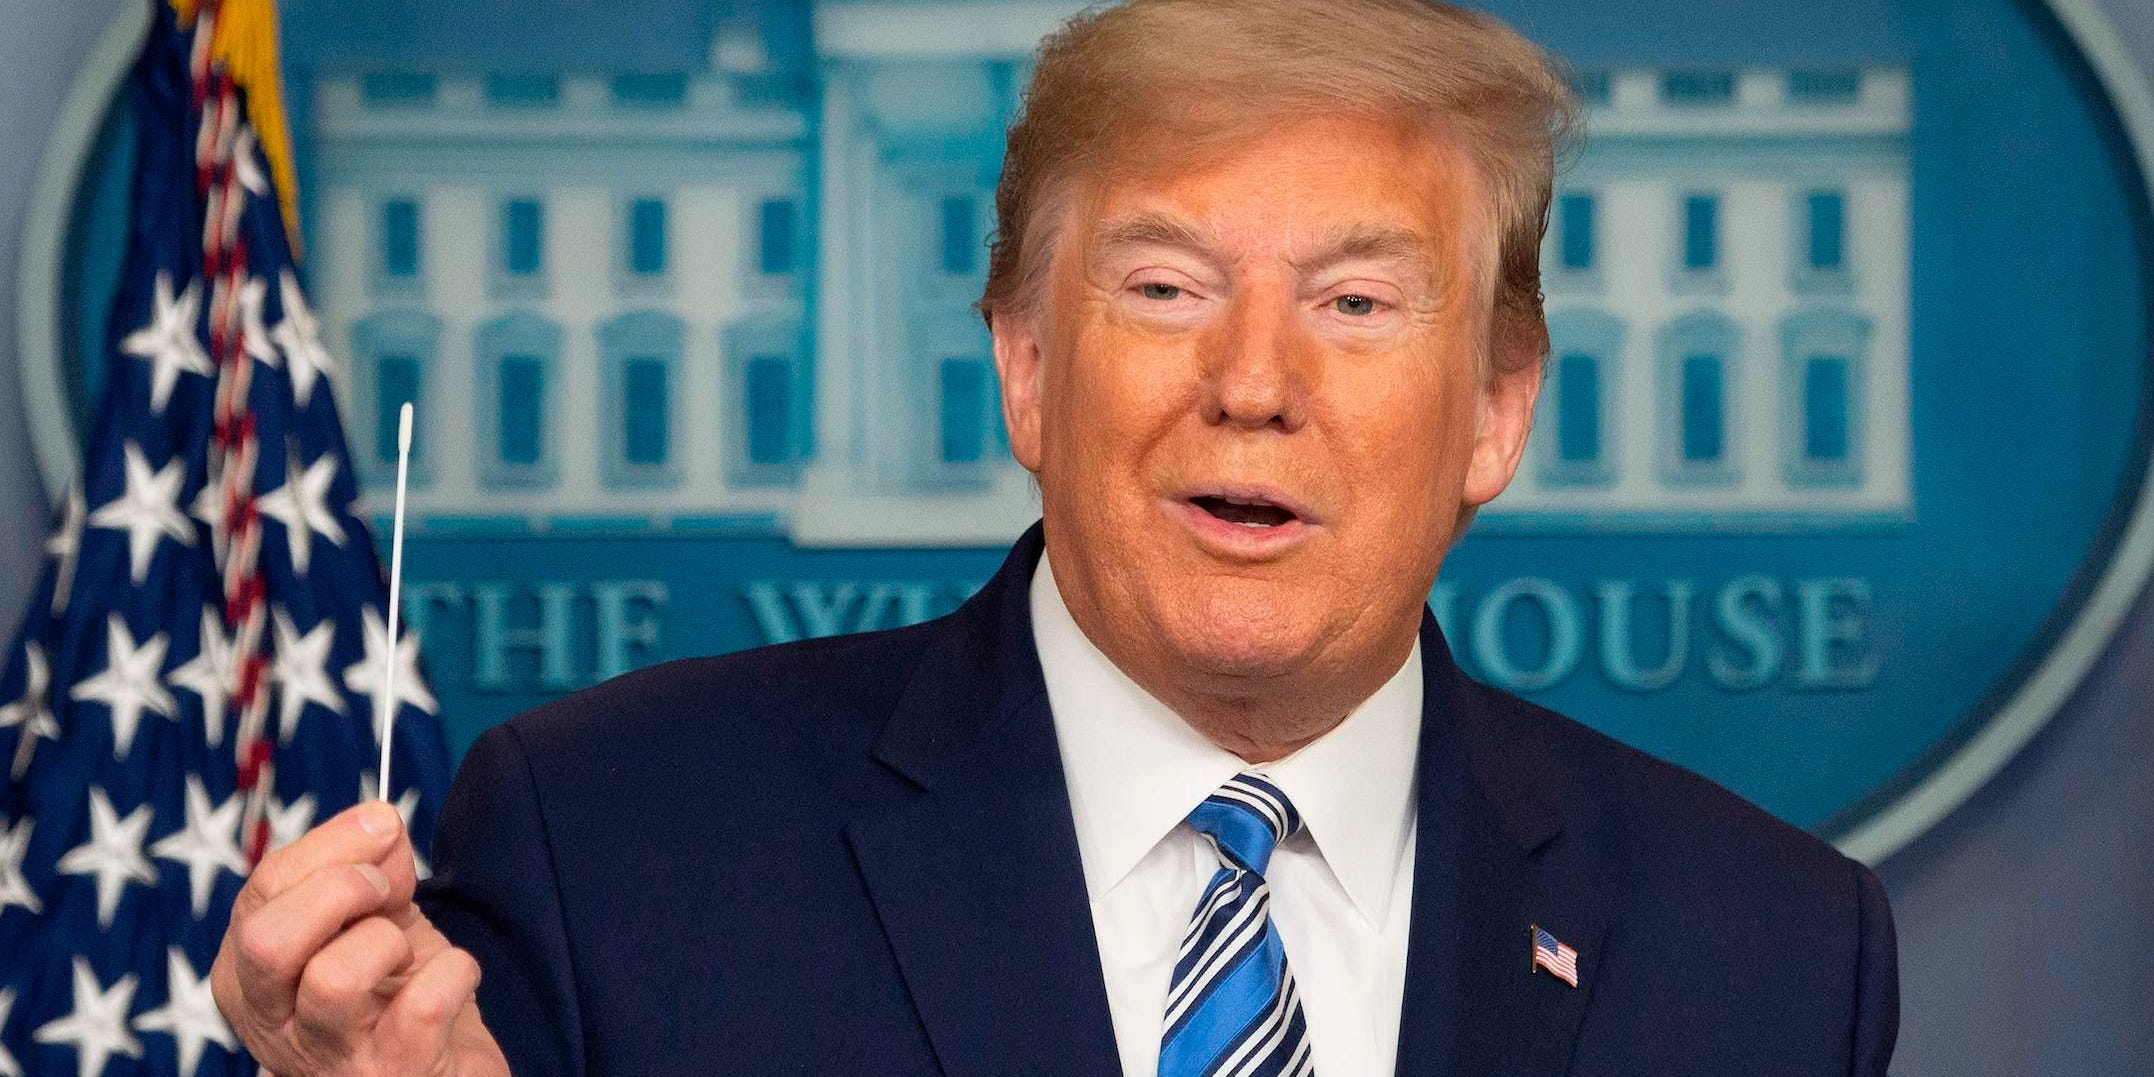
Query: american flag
194	680
1559	959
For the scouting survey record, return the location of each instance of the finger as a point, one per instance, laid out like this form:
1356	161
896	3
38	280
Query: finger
362	834
418	1021
344	989
273	945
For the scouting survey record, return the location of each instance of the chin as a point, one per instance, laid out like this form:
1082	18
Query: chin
1244	636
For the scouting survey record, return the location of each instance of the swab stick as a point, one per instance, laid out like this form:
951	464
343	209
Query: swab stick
387	699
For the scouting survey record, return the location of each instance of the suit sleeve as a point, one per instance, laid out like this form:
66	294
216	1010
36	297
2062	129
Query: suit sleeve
494	893
1877	978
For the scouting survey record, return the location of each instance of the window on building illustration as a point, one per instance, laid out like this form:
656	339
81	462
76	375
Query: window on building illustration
774	225
1703	409
960	234
1592	87
641	354
645	402
396	382
1698	87
1575	231
522	408
770	409
523	227
406	88
392	352
400	238
1701	232
964	410
650	89
1825	408
647	237
523	89
1824	86
1827	220
1578	408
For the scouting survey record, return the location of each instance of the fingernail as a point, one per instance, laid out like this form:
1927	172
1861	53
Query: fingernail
378	819
374	876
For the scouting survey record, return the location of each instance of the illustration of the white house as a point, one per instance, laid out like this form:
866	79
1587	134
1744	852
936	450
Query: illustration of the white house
700	300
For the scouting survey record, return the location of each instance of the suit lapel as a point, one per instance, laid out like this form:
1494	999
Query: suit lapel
977	878
1484	871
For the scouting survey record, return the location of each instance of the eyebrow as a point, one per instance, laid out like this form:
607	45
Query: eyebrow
1373	241
1150	229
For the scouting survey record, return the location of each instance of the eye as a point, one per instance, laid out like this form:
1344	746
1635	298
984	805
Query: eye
1357	305
1162	292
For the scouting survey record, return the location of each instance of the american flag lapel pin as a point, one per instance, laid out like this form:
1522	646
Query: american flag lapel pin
1554	955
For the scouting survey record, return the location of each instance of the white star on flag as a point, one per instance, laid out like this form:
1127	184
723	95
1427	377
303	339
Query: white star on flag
65	545
8	1066
98	1027
14	889
169	341
289	822
208	842
190	1014
209	675
299	336
147	510
113	854
208	507
299	674
302	506
128	684
33	709
370	789
253	333
363	677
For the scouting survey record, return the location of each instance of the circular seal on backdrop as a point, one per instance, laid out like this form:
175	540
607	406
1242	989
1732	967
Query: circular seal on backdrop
1838	482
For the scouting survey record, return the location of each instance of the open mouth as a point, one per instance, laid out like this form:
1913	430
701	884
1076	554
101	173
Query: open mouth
1252	513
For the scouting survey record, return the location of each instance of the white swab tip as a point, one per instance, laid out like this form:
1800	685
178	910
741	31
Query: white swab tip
403	428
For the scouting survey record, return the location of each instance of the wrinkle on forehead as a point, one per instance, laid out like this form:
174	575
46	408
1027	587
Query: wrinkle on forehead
1339	242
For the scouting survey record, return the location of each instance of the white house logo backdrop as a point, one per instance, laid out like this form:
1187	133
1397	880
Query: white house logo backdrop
1836	479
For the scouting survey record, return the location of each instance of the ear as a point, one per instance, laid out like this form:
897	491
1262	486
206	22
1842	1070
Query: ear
1018	369
1506	417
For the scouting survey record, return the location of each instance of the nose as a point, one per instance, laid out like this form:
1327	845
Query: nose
1256	366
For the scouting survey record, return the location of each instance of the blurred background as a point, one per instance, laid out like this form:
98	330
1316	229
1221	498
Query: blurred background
1833	489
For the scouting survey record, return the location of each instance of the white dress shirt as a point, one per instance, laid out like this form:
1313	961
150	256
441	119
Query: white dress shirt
1341	889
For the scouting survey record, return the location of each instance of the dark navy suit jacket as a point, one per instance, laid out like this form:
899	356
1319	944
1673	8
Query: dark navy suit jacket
855	856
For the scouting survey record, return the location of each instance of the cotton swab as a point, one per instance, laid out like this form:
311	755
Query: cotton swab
387	704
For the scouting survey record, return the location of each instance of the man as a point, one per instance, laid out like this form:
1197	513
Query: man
1193	785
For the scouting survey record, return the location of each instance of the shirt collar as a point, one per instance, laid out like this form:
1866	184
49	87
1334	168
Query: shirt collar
1135	769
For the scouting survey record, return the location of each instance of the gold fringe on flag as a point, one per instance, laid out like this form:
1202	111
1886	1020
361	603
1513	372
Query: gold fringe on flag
245	42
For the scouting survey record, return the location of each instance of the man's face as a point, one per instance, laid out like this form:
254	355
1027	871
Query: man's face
1253	400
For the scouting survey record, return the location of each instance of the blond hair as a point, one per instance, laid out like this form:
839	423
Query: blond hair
1135	81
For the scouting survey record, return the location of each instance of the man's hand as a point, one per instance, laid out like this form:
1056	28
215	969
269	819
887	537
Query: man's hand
328	968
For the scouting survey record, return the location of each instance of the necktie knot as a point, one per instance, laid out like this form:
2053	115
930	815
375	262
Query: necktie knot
1245	820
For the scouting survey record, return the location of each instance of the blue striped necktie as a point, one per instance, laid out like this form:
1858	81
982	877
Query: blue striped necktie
1233	1010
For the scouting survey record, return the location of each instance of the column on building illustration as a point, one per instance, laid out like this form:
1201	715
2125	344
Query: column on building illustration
911	447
